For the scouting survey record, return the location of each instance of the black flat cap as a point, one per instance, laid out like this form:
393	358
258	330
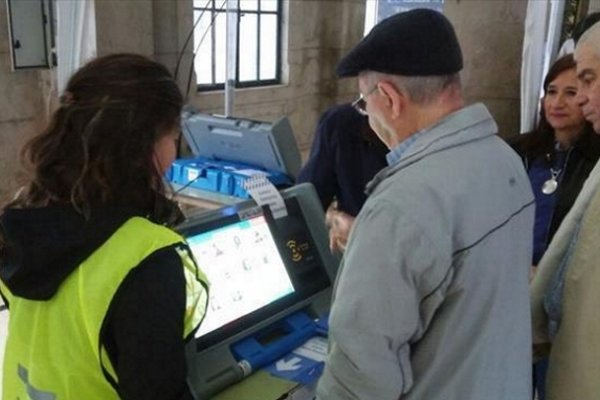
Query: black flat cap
419	42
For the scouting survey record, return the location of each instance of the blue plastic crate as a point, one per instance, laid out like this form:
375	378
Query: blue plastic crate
219	176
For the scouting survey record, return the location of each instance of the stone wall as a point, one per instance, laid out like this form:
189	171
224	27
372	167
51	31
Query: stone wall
491	43
24	99
319	33
311	47
126	26
315	41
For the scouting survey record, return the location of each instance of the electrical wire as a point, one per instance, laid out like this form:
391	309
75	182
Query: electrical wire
180	57
187	40
191	70
182	52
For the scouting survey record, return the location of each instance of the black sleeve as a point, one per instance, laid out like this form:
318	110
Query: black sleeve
320	166
5	301
143	331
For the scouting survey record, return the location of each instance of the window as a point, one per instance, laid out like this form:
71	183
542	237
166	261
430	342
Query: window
381	9
258	43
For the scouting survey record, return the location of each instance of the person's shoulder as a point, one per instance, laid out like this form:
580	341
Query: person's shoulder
517	141
344	120
341	114
529	144
340	111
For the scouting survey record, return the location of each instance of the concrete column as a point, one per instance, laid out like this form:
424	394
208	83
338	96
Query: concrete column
491	36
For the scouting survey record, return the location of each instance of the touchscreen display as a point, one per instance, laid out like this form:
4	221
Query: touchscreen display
244	268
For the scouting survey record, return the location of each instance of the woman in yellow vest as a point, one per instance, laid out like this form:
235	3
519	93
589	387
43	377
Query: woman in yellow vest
101	293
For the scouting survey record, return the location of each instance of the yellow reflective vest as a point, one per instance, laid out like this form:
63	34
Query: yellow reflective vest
37	368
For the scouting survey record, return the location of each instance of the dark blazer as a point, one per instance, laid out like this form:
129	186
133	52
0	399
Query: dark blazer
582	160
345	155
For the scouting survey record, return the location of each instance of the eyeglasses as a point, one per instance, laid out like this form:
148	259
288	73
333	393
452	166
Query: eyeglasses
360	105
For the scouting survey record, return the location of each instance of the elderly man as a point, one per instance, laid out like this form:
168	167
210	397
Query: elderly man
431	300
566	290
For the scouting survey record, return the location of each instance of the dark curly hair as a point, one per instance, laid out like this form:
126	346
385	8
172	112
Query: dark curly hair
98	148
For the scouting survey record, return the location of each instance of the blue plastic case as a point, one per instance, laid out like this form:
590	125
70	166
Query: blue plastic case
220	176
228	151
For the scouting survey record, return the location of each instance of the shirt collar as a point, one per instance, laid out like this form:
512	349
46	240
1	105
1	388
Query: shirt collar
395	154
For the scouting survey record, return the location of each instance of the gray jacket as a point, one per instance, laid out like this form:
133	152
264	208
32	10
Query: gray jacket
431	300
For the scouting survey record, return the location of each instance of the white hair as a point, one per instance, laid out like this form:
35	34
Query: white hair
591	38
420	89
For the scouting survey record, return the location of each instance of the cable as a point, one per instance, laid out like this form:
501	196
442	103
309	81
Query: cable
189	80
187	40
176	192
180	57
200	175
212	21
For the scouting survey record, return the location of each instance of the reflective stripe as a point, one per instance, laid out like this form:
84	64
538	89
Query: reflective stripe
196	290
86	294
34	394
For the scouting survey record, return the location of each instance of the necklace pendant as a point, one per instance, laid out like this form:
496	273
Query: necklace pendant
550	186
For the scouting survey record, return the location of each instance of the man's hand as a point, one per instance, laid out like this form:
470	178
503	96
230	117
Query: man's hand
339	224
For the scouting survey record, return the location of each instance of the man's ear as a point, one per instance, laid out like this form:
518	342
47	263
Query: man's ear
395	99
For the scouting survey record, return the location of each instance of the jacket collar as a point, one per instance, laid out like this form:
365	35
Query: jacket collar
468	124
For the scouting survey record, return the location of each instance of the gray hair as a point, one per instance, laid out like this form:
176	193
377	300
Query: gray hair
420	89
591	37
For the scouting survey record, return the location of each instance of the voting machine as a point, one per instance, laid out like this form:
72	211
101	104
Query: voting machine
227	151
270	279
